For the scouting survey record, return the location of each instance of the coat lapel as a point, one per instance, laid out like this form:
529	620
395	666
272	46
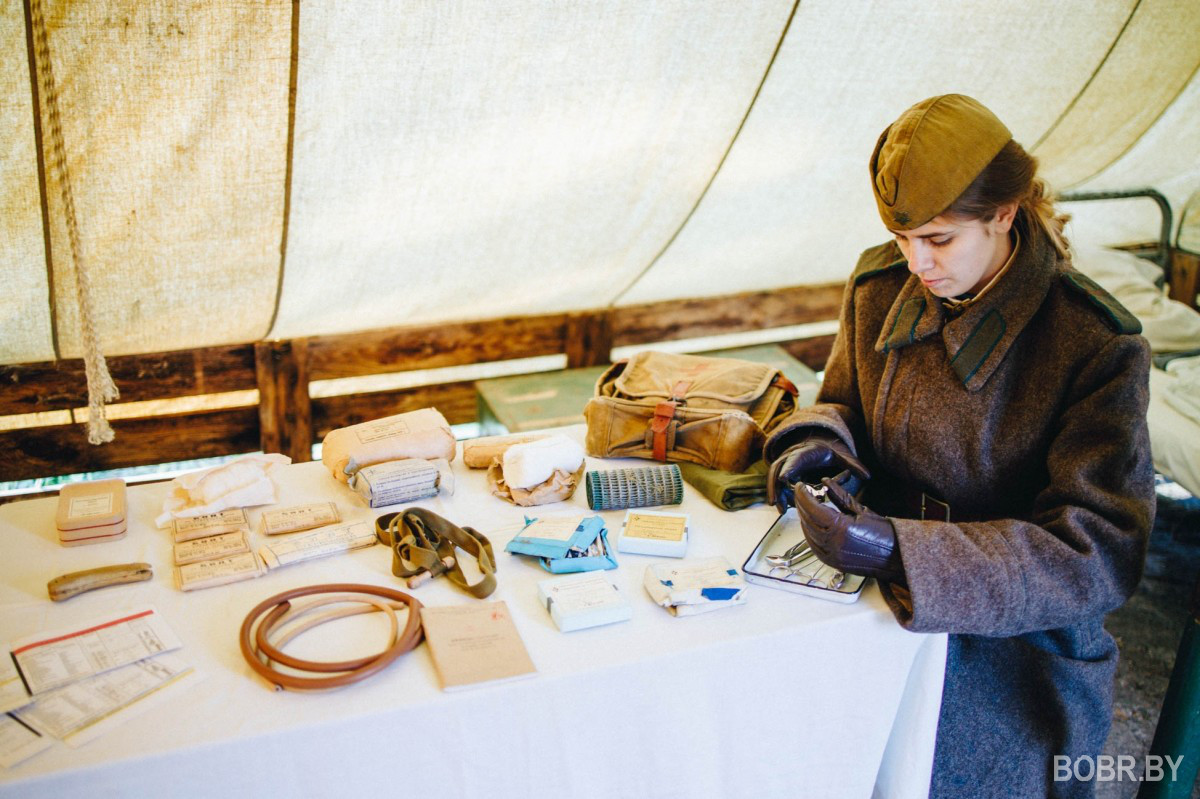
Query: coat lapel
977	341
916	314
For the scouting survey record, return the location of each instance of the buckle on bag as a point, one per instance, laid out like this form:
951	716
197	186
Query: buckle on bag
939	509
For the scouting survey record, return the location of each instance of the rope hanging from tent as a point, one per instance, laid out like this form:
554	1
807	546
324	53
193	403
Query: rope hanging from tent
101	387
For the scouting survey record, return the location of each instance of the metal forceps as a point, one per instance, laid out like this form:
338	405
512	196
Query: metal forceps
797	557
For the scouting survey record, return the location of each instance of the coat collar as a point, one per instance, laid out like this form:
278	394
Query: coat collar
977	340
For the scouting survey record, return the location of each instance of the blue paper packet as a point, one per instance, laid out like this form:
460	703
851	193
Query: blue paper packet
554	536
595	557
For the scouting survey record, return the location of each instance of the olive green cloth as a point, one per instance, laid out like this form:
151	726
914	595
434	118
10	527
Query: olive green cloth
925	159
729	490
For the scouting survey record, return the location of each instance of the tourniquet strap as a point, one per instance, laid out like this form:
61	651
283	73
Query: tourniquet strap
423	542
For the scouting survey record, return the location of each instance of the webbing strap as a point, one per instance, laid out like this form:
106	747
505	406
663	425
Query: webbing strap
423	546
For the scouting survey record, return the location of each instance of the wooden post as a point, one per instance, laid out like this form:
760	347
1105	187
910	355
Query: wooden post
1185	277
589	339
284	407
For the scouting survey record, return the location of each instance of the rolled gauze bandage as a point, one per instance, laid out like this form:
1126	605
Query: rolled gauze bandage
640	487
421	434
534	462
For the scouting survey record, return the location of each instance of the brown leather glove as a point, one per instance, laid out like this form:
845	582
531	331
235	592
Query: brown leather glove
849	536
819	454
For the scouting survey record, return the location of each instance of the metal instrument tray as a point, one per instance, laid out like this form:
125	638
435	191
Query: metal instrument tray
811	577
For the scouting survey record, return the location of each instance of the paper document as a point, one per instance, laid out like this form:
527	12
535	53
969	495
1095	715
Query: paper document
19	741
78	712
50	660
12	691
475	644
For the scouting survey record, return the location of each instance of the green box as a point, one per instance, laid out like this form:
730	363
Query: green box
522	403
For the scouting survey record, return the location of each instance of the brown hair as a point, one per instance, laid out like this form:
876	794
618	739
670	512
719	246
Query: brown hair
1012	177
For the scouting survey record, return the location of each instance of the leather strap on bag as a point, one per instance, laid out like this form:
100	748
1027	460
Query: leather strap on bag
423	546
664	412
785	384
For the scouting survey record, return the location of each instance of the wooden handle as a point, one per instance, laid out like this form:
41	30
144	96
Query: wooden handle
69	585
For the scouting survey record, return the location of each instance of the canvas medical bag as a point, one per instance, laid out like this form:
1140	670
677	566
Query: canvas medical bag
716	412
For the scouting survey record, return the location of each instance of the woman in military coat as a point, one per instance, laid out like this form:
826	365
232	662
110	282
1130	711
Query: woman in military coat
990	401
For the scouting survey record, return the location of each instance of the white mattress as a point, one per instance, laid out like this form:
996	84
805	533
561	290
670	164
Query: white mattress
1169	326
1174	438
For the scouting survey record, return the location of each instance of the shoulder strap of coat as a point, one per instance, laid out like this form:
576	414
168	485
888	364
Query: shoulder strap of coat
1116	315
877	260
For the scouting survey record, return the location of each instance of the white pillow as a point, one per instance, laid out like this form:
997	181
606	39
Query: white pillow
1167	324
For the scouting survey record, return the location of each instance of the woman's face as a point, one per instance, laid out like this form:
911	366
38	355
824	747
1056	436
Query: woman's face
954	256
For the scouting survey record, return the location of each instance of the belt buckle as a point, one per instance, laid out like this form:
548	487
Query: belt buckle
932	504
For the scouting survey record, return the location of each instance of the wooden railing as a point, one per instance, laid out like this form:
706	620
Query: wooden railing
288	420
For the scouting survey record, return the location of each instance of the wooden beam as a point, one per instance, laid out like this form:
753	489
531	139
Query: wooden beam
1185	277
589	339
278	369
402	349
284	408
64	449
62	385
456	401
711	316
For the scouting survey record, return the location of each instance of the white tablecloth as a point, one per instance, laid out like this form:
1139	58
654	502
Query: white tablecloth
786	695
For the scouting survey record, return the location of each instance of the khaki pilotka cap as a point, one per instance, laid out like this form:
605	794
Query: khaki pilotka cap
928	157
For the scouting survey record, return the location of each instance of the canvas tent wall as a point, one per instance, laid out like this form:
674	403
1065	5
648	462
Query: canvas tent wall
247	172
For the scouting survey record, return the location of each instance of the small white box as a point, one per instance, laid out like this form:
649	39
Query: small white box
577	601
651	532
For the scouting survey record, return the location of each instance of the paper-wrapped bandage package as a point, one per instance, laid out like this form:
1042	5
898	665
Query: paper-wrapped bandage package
578	601
218	571
537	472
393	482
211	548
233	520
299	518
241	483
478	453
91	513
423	434
697	586
317	544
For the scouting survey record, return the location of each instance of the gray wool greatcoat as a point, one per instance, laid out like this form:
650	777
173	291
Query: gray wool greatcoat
1027	415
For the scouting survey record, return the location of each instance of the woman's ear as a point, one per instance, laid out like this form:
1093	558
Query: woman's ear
1002	222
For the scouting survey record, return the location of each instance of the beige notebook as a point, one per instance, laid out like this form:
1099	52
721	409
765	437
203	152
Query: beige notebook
475	644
